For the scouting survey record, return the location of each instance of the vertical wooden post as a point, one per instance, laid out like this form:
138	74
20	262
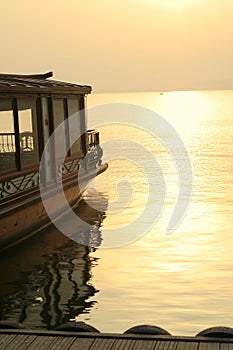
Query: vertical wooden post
17	138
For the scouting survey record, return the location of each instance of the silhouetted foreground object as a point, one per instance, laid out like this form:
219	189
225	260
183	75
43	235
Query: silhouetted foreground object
72	326
79	335
147	329
217	332
76	327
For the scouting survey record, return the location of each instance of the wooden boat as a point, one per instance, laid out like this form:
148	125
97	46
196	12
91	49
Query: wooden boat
31	108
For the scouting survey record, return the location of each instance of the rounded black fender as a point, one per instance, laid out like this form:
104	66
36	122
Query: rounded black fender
76	327
147	329
217	332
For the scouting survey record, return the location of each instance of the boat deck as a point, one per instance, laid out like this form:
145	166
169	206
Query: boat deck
54	340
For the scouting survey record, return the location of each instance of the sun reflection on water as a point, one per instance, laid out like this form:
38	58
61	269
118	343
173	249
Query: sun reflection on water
181	282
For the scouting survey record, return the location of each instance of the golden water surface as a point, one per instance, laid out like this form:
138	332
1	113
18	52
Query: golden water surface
181	281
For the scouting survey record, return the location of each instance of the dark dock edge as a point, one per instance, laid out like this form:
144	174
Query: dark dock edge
151	340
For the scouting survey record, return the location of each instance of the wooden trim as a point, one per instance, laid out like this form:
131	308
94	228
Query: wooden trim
59	90
12	176
83	123
62	95
17	140
51	130
7	174
39	127
77	155
33	193
20	94
33	76
66	116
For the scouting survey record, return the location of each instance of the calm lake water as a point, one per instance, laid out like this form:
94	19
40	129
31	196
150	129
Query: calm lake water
180	281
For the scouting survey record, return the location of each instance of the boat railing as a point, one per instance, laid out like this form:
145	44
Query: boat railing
26	141
92	138
7	142
94	151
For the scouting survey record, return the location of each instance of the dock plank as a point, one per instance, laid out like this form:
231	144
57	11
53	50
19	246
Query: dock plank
183	345
6	339
226	347
27	343
82	344
209	346
61	343
21	343
124	344
41	343
103	344
144	345
165	345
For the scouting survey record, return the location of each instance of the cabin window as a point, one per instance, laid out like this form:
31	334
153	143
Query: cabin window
73	107
28	131
18	134
7	136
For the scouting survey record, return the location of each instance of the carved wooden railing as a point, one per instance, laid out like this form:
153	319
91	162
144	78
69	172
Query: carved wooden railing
95	152
23	181
7	142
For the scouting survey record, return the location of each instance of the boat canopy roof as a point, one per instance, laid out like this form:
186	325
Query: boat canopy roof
39	83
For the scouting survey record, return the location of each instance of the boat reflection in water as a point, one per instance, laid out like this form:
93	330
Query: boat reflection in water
46	280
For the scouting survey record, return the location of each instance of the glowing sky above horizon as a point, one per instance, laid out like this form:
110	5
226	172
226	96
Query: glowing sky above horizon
133	45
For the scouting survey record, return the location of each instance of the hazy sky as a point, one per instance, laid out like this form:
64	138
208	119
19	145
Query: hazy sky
121	45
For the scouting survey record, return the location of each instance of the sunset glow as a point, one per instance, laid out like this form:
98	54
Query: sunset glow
175	5
116	173
122	46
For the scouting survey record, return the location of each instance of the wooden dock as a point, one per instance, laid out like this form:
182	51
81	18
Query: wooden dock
11	339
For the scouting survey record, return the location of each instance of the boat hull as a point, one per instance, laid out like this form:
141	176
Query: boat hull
25	215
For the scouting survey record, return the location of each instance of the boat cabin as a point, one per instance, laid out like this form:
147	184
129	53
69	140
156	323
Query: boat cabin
31	108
